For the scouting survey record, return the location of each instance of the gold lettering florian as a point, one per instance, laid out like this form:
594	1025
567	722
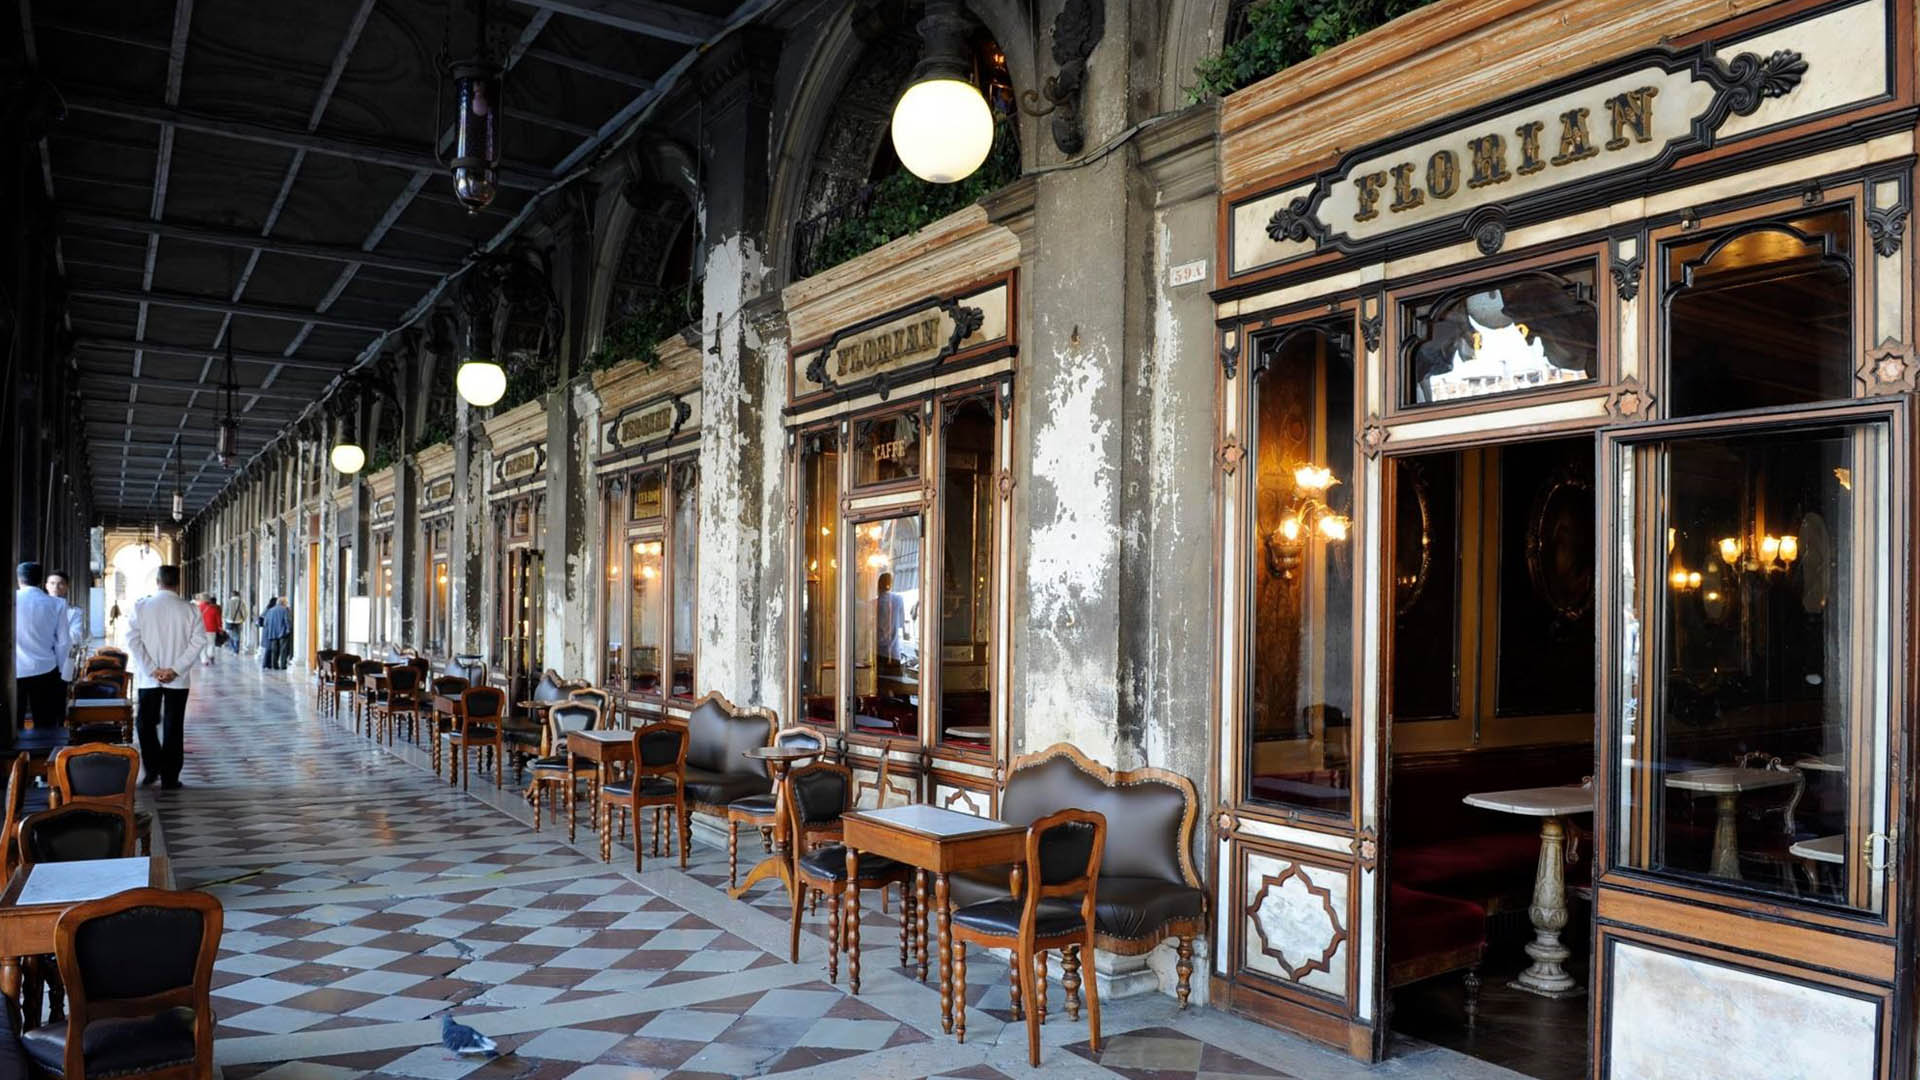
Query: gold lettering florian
886	348
1494	158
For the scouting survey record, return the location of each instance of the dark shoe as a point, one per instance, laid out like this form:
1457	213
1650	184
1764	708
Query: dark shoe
149	780
171	785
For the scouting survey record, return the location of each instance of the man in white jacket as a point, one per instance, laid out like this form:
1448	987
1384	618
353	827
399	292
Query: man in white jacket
165	637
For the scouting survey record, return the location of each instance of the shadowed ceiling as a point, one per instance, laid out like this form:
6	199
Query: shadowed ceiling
265	171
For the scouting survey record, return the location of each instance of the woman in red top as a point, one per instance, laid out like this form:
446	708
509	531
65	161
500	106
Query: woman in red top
210	618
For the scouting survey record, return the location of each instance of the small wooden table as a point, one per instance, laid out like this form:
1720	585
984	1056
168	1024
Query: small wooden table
1547	975
1726	783
939	842
27	929
603	748
778	760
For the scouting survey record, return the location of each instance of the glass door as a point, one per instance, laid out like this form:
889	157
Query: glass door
522	622
1752	577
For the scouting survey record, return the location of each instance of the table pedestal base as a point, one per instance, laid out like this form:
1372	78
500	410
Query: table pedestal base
1547	975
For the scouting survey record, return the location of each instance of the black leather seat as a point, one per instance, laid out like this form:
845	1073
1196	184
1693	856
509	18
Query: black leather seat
115	1047
718	772
650	787
718	788
1125	907
830	861
755	804
1050	917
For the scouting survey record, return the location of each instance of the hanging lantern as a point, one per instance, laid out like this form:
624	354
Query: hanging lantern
476	148
481	382
228	446
179	488
942	127
348	457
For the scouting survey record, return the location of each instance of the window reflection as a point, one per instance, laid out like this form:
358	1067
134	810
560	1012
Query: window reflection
1530	331
966	574
643	615
886	615
819	596
1763	670
1761	315
686	534
1300	698
886	449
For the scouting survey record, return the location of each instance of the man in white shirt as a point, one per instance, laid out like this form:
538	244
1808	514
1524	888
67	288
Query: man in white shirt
59	586
40	645
165	636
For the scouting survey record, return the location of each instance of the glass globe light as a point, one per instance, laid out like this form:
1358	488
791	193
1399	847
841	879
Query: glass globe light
348	458
481	382
942	129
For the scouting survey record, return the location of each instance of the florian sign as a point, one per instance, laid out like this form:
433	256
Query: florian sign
1523	161
654	424
896	347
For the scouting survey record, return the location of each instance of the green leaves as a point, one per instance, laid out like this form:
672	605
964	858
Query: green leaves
1281	33
639	333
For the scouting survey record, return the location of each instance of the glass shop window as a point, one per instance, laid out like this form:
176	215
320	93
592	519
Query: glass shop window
684	534
1755	658
886	449
645	589
820	577
650	596
382	587
1533	330
966	572
886	612
439	587
1761	315
1300	692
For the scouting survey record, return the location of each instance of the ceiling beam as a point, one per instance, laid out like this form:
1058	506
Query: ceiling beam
552	122
243	238
332	367
192	302
96	382
395	156
572	63
649	17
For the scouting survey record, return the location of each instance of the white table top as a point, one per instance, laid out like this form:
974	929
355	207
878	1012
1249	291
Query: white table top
934	821
1727	779
1536	801
1822	849
86	879
603	735
1835	762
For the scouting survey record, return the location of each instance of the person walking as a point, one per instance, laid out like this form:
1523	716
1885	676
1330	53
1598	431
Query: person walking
59	586
210	618
236	615
41	643
165	635
276	635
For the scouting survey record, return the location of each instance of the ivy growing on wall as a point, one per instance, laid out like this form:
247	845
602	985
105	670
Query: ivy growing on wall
1281	33
903	203
638	334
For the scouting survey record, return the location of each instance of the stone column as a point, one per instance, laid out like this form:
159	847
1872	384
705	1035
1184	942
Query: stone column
471	525
571	416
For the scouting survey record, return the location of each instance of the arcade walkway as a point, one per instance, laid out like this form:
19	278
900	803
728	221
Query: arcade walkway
362	897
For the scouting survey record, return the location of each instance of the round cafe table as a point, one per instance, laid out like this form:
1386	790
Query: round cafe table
778	760
1546	976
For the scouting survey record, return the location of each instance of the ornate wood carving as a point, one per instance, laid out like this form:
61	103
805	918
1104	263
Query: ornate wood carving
1887	225
1230	454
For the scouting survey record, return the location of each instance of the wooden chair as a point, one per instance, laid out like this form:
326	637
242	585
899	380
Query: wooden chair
339	682
758	810
98	709
401	700
821	793
364	692
322	673
554	770
1063	860
114	652
138	969
481	710
599	699
659	780
104	663
15	810
98	773
81	830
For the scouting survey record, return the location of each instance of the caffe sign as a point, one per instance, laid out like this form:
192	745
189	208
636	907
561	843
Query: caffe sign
1507	165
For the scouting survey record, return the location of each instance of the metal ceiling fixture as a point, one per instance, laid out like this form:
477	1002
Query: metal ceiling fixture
179	486
347	454
228	446
475	91
942	127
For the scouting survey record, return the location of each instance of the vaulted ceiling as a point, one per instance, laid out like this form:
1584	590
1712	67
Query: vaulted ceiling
266	172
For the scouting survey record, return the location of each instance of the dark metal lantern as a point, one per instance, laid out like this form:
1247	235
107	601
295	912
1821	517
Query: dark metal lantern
476	150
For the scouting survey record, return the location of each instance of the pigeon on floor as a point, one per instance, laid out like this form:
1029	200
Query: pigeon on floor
462	1039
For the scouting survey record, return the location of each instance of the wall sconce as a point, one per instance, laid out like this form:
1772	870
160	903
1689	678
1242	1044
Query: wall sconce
1683	580
1769	554
1306	516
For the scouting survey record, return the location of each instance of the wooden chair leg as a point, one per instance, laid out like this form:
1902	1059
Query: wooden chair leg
1093	998
537	796
905	933
606	832
1184	969
1038	999
1023	961
733	854
959	990
833	937
1070	979
1013	977
793	922
685	825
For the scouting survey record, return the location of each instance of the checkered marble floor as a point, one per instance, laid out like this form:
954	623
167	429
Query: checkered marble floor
364	896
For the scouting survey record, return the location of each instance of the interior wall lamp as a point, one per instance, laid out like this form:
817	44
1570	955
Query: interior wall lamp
1307	516
1767	554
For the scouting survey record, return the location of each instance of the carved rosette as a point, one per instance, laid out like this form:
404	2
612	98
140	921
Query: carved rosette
1373	437
1230	454
1888	368
1630	401
1006	485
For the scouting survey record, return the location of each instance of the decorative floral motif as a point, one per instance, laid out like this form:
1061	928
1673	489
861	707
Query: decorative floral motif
1230	454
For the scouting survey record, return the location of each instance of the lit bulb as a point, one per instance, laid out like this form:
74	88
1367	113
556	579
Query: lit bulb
1289	528
1789	548
1313	478
1671	535
942	130
1333	527
826	530
1713	595
1678	579
813	565
649	572
1693	580
348	458
1729	550
481	382
1769	548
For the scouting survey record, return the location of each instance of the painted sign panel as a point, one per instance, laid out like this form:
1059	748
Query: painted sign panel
919	338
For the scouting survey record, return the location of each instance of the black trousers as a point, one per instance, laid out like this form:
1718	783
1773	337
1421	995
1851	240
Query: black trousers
45	695
162	720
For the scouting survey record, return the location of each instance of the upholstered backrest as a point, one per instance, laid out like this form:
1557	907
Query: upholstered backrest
659	746
138	952
322	657
550	687
597	698
344	664
402	679
1153	810
821	792
804	737
718	737
75	832
98	689
451	686
468	667
570	716
1064	851
96	772
368	667
483	703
